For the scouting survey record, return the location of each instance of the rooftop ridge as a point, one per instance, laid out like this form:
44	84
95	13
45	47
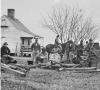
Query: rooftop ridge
20	26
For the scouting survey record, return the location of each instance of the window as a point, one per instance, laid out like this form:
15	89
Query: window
22	40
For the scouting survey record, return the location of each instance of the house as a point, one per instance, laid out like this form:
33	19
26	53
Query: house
18	37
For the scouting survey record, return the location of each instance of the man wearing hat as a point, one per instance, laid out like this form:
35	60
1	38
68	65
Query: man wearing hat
5	54
35	49
57	40
5	50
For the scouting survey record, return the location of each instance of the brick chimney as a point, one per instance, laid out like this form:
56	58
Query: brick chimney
11	13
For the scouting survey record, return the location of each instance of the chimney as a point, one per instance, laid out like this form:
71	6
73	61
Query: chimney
11	13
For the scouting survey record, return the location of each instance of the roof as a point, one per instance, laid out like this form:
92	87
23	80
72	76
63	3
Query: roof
20	26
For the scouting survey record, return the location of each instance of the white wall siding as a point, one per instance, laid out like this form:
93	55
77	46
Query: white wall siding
12	36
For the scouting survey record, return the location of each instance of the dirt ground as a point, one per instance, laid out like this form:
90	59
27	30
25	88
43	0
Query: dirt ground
40	79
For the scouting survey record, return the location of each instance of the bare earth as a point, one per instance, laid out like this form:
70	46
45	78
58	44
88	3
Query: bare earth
39	79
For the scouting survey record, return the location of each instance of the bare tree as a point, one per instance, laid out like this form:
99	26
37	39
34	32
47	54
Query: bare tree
70	24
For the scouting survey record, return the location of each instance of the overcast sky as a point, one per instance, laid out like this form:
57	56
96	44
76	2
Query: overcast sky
30	12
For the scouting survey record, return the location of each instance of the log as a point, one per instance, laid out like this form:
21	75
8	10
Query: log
33	66
89	71
70	65
20	68
56	66
82	68
8	69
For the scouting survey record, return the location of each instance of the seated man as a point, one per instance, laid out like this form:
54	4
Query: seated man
42	57
5	55
57	49
57	40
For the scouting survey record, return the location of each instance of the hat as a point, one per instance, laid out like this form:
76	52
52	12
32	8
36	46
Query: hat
5	43
90	39
81	40
57	35
43	49
35	37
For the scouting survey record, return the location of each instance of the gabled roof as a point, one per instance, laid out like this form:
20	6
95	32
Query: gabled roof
20	26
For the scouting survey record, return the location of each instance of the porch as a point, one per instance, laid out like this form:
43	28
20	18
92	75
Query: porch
26	46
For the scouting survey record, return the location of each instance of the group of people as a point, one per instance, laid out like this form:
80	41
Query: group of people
77	52
41	55
81	52
38	54
87	47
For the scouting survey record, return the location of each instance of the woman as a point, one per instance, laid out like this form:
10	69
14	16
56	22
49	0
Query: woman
42	57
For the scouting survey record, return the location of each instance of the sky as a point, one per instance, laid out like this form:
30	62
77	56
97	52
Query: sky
31	13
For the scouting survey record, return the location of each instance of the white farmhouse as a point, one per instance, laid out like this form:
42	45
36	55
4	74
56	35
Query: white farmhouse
18	37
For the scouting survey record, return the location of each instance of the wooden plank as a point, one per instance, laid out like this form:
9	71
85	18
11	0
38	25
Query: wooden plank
56	66
89	71
70	65
44	64
13	71
82	68
20	69
8	69
33	66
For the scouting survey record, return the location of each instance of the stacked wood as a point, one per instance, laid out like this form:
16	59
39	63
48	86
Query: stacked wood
12	69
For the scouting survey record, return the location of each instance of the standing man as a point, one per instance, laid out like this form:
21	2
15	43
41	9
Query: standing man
91	54
90	45
35	50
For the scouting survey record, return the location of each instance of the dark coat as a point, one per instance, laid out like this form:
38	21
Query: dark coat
5	51
35	46
49	47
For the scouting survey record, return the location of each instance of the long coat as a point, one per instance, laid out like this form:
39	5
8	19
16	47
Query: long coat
5	51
